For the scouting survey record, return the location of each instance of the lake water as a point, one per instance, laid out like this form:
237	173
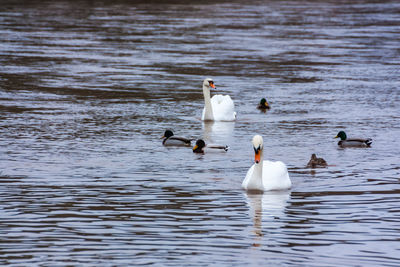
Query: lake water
87	88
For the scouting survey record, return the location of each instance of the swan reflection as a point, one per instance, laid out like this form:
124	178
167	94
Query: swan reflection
266	208
218	131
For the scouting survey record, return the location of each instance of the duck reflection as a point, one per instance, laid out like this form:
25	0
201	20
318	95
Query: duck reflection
266	208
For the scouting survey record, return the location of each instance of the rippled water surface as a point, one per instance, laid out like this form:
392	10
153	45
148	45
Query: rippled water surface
88	88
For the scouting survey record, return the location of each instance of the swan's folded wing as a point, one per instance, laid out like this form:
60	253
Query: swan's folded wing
221	99
223	108
245	183
275	176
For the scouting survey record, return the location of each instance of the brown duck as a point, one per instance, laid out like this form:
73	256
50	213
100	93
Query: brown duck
316	162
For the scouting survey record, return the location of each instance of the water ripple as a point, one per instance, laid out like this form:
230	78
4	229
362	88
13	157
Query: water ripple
86	92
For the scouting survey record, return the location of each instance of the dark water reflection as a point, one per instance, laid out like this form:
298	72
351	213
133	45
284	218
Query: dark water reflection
87	89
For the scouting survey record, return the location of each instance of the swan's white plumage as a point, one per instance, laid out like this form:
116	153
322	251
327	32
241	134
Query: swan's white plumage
217	108
266	175
274	177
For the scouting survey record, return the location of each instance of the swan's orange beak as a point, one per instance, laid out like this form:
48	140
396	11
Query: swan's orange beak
212	85
257	156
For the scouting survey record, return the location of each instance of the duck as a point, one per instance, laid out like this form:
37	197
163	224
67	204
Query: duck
171	140
263	105
352	142
201	147
265	175
316	162
217	108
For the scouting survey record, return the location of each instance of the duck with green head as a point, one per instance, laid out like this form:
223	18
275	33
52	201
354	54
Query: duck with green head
201	147
263	105
169	139
352	142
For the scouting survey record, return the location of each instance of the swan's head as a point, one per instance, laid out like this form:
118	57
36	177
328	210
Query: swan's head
199	146
208	82
258	147
167	134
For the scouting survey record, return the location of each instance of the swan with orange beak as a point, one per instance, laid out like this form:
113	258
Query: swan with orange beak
217	108
265	175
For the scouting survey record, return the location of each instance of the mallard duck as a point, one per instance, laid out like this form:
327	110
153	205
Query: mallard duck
265	175
171	140
217	108
316	162
263	105
201	147
352	142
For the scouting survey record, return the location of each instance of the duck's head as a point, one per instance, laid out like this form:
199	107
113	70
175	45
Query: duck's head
208	82
167	134
258	147
199	146
341	135
263	102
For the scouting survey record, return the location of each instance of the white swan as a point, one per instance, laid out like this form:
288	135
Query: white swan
265	175
217	108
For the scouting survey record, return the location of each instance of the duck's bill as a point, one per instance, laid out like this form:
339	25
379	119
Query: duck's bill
195	147
162	137
336	136
257	157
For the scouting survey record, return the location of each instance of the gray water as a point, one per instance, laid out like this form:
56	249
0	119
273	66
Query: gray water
87	88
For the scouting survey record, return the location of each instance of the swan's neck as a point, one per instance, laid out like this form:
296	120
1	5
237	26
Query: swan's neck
257	174
208	112
258	168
